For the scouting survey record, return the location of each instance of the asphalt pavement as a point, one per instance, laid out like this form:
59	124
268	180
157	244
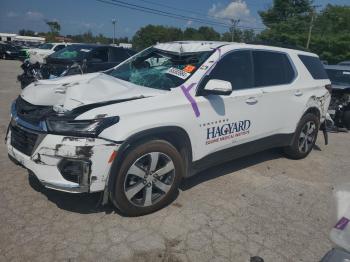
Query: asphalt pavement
262	205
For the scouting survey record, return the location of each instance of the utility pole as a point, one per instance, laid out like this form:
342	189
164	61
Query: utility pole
313	14
310	30
234	23
114	23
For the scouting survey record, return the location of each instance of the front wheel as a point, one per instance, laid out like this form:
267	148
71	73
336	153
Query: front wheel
304	137
148	178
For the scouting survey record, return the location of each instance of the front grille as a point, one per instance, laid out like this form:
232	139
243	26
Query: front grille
32	114
23	140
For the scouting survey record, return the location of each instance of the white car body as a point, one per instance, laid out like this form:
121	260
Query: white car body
209	124
39	54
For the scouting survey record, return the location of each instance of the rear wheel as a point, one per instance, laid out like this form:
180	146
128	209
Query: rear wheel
304	137
148	178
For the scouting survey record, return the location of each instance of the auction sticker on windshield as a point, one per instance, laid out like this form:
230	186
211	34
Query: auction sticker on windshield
178	72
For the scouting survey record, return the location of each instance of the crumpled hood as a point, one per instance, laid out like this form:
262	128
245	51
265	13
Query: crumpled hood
70	92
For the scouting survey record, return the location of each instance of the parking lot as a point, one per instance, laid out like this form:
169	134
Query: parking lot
263	205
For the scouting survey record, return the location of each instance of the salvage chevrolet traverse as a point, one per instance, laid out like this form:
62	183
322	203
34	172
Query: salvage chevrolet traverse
136	130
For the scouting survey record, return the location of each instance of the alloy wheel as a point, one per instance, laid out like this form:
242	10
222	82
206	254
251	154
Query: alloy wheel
307	136
149	179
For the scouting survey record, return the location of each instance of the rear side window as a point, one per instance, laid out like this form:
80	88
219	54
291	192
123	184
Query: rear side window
271	68
236	68
314	66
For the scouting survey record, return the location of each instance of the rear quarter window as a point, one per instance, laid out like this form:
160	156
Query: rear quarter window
314	66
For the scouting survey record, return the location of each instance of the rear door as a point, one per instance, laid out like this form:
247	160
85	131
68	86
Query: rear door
274	75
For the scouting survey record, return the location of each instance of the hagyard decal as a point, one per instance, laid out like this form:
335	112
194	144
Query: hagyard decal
227	131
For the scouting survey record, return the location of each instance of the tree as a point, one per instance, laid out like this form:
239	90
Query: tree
55	29
245	36
331	36
287	22
152	34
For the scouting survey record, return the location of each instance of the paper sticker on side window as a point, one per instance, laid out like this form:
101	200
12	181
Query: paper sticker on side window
178	72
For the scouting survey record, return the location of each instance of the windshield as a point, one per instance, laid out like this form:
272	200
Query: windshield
339	77
158	69
74	52
46	46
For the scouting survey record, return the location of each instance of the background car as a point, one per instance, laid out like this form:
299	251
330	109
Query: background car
8	51
344	63
339	108
83	58
38	54
74	59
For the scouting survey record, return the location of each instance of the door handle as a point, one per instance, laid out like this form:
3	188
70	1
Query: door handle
251	101
298	93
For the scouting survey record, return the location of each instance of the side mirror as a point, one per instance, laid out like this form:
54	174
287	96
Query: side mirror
218	87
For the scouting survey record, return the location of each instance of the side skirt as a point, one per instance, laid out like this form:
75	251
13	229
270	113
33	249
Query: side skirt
239	151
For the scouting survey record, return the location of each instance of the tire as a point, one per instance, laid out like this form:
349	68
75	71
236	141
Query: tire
148	178
303	140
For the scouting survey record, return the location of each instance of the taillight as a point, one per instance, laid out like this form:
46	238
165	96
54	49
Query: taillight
329	88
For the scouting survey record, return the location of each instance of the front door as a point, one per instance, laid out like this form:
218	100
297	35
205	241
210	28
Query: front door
226	121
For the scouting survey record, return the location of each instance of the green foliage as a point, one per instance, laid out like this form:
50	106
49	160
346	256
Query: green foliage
288	23
55	29
238	35
152	34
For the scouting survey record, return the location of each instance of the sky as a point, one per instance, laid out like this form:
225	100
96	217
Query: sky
79	16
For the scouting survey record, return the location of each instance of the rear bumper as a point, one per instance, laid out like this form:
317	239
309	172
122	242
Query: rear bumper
69	164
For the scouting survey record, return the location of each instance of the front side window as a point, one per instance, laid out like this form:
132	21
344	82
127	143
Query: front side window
271	68
236	68
159	69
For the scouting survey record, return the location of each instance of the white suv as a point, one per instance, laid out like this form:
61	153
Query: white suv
169	111
38	54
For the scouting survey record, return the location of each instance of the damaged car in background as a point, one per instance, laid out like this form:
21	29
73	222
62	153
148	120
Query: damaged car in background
74	59
339	108
134	131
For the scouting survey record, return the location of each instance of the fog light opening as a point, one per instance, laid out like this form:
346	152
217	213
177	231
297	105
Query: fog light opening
75	170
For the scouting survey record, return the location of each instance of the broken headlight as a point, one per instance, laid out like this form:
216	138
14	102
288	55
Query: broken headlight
90	128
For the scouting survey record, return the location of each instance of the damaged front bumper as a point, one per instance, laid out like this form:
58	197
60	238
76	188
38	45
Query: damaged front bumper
64	163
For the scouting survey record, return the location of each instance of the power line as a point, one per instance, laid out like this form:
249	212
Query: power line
162	13
184	10
168	14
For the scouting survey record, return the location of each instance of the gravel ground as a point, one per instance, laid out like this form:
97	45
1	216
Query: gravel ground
263	205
